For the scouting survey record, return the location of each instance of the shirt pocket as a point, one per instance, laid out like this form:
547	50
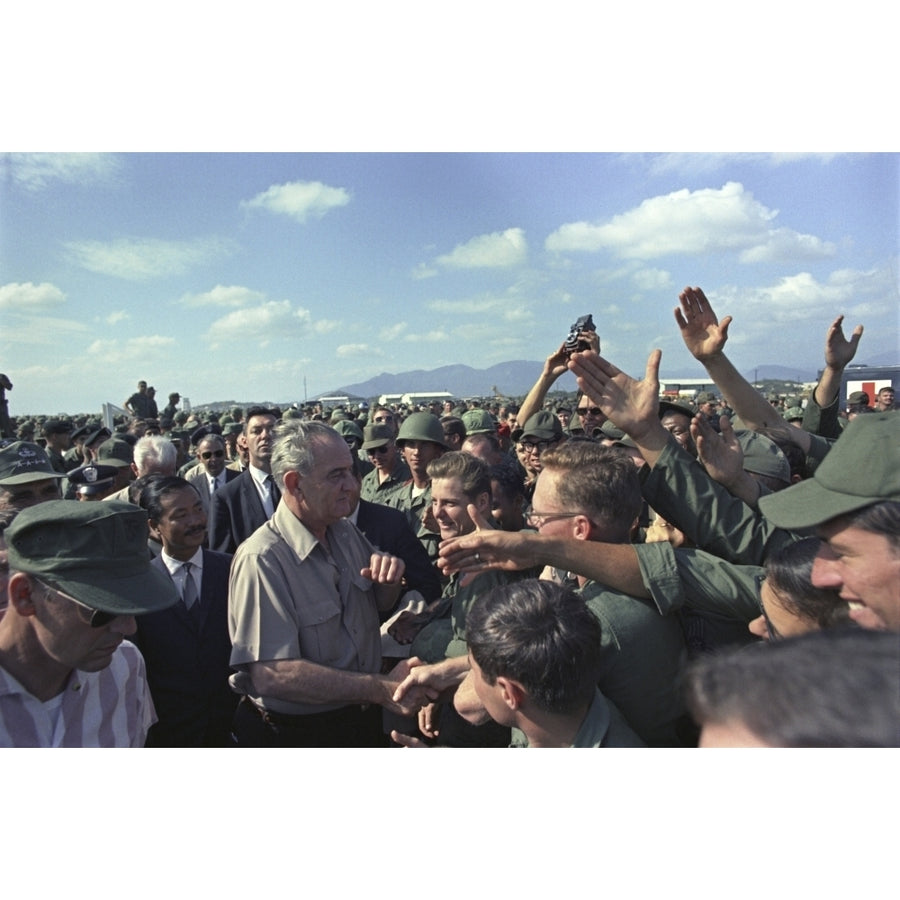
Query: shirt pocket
319	630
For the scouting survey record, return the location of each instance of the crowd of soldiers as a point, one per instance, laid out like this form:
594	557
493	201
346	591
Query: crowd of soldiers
624	570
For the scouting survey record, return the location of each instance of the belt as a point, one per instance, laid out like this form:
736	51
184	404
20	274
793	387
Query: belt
285	720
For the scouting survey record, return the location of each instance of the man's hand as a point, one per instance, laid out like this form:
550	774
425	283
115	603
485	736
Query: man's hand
384	569
408	625
720	453
632	405
556	363
425	683
406	740
486	548
838	350
409	701
701	331
429	719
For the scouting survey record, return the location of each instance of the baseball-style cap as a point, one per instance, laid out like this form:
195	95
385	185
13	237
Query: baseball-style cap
793	414
543	425
23	461
762	456
479	421
858	398
670	406
706	397
862	468
96	552
56	426
115	452
346	428
377	436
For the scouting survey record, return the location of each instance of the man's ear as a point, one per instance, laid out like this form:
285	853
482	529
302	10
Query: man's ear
20	591
582	528
292	482
134	469
483	504
154	531
512	692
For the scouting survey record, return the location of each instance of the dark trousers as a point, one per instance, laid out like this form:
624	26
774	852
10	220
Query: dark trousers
349	726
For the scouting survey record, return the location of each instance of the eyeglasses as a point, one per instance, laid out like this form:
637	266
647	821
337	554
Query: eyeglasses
536	446
770	628
96	618
209	454
538	519
593	410
379	450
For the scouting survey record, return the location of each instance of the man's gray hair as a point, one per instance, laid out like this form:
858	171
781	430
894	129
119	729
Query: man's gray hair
155	453
293	450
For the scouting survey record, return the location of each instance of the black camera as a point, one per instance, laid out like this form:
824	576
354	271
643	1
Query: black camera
574	341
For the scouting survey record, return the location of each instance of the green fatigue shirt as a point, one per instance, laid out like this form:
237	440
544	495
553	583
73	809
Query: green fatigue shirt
414	507
383	492
716	600
642	656
679	489
603	726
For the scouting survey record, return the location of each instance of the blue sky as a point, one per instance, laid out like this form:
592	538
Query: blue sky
247	276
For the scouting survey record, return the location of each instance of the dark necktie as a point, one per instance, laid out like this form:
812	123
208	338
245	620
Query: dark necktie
274	493
189	595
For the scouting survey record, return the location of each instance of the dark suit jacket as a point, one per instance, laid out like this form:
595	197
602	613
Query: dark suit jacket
187	664
201	482
389	530
235	513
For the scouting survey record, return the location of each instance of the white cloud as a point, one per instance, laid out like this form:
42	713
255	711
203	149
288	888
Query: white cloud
261	324
43	331
118	316
496	250
223	296
35	171
300	200
130	352
691	223
705	163
350	350
137	259
29	297
652	279
391	332
429	337
423	271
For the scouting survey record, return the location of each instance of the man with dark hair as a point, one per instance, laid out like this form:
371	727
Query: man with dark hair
534	650
138	404
832	688
79	574
212	475
243	504
187	647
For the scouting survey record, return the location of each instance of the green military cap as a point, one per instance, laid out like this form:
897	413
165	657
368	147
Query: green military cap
762	456
862	468
56	426
377	436
95	552
23	461
115	452
706	397
422	426
610	431
793	414
479	421
543	426
92	478
858	398
346	429
233	428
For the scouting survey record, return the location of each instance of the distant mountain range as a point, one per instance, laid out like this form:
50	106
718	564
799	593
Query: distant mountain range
511	379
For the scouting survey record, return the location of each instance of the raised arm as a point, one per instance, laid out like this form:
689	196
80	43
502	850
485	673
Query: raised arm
554	366
839	352
705	337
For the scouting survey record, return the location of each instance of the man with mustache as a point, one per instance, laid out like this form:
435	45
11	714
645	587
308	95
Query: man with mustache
187	646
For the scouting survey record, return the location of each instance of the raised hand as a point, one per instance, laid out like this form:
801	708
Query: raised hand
701	331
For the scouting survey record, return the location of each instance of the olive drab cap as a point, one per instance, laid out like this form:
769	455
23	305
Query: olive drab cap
95	552
862	468
23	461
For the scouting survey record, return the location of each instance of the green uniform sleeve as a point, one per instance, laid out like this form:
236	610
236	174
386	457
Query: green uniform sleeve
680	490
696	580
